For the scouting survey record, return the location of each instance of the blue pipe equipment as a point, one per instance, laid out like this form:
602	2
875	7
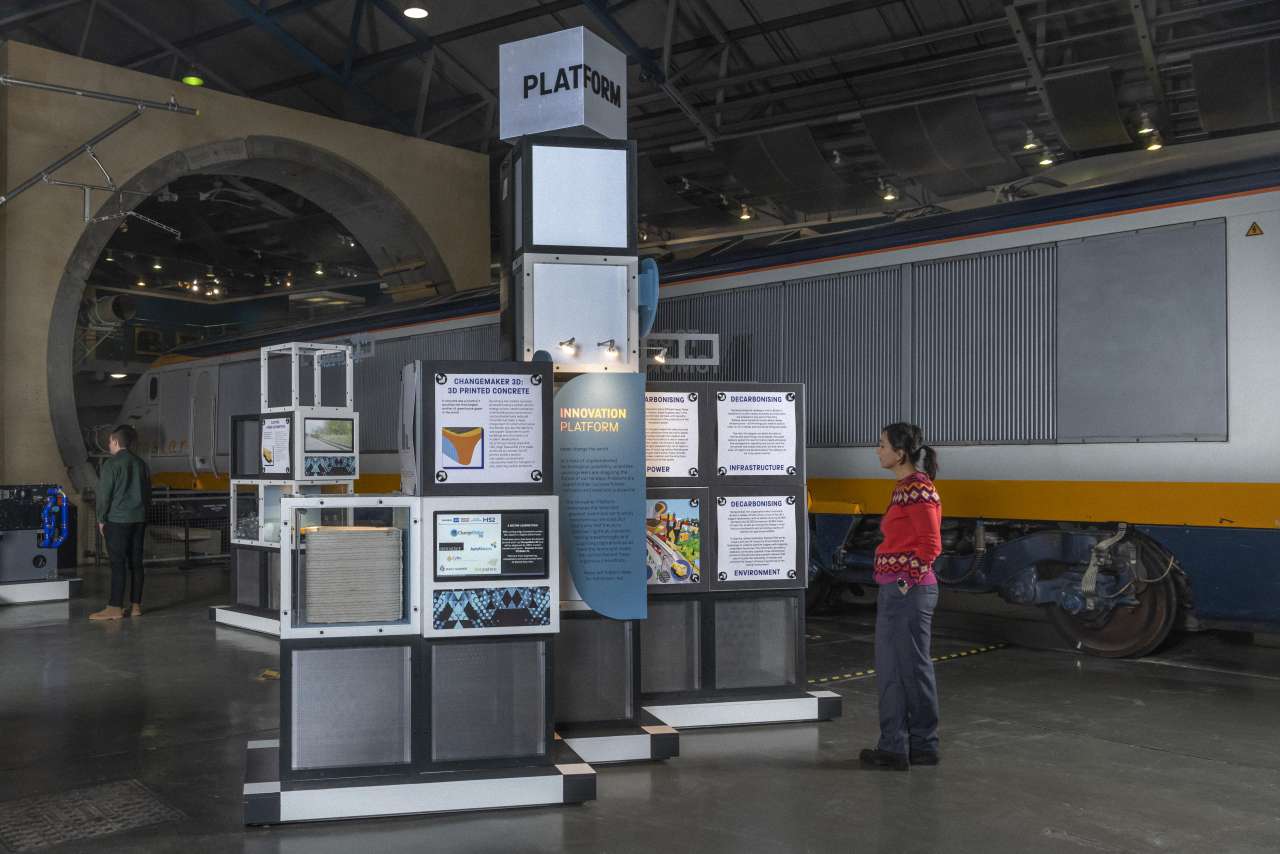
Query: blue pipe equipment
53	516
647	295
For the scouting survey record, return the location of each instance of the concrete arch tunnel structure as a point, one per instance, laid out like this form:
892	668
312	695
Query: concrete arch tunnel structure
420	210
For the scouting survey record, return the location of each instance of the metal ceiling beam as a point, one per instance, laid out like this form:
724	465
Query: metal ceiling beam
426	42
281	11
353	38
424	89
169	47
1147	45
1032	64
273	28
601	13
28	14
839	56
88	27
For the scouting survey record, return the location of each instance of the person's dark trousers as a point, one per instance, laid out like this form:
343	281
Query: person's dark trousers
124	546
904	669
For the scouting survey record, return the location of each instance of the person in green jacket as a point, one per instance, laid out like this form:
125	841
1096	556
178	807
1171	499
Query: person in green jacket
124	493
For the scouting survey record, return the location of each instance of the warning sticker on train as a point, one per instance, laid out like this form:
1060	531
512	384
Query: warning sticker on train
1255	230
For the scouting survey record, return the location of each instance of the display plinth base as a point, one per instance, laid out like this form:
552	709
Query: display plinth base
650	740
767	709
268	801
29	592
258	620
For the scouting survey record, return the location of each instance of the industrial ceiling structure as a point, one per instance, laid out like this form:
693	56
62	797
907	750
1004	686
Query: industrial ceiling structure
751	115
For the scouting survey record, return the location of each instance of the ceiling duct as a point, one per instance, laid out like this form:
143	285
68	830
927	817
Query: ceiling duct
944	144
1087	113
1237	86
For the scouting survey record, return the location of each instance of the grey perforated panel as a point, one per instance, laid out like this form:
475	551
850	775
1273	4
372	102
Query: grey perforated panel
351	706
671	647
237	395
248	569
488	699
353	575
755	645
593	671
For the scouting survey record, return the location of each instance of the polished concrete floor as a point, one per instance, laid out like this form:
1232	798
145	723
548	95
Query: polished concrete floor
1043	750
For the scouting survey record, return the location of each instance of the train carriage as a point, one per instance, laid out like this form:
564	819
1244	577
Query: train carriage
1096	367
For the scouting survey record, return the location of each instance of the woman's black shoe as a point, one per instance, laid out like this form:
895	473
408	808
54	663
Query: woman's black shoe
884	759
924	758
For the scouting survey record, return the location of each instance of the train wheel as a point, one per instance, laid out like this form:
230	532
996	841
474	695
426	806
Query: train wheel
1128	632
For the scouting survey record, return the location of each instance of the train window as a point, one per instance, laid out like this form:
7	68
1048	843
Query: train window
153	389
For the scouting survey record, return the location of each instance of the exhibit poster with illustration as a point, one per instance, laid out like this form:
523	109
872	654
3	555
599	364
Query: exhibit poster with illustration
488	428
671	433
756	433
673	540
276	446
756	537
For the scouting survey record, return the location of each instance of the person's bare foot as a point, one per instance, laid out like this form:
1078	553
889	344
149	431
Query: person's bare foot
108	613
136	610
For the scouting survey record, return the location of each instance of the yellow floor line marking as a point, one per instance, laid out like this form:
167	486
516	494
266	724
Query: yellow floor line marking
977	650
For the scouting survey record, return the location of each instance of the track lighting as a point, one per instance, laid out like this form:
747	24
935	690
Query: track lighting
1155	142
745	213
887	191
1032	143
1145	125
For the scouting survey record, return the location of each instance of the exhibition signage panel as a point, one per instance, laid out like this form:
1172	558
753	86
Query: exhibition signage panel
277	446
679	546
759	541
758	432
485	428
671	433
599	454
570	81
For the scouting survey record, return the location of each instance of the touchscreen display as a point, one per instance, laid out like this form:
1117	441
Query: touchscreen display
510	544
329	436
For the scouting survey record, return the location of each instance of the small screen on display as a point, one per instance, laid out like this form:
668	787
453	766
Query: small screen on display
511	544
329	436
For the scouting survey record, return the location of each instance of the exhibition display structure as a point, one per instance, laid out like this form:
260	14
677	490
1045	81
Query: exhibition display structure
35	523
304	442
727	546
416	631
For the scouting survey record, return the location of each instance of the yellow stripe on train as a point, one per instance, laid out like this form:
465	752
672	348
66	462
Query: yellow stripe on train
1236	505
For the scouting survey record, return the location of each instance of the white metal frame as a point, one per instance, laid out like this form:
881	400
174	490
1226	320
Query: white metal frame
413	597
285	486
296	351
481	504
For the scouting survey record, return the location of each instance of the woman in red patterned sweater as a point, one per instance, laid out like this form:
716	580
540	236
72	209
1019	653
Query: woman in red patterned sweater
904	607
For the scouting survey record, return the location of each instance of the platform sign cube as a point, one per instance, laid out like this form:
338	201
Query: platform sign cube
570	82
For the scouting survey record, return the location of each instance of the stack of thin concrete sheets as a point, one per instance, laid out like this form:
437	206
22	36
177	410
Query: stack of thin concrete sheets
354	575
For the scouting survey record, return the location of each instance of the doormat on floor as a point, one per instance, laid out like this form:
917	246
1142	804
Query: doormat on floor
29	824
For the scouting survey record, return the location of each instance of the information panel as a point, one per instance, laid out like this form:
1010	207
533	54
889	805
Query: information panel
277	446
674	541
757	537
756	433
488	428
671	434
508	544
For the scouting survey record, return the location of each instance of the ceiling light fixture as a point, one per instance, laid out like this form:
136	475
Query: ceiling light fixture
192	77
1032	143
1145	125
141	283
1046	159
835	157
110	257
118	376
888	192
156	265
1155	142
319	269
745	213
415	11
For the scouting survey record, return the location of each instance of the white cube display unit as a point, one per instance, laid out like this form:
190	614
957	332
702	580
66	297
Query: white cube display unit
491	565
356	579
571	81
580	310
